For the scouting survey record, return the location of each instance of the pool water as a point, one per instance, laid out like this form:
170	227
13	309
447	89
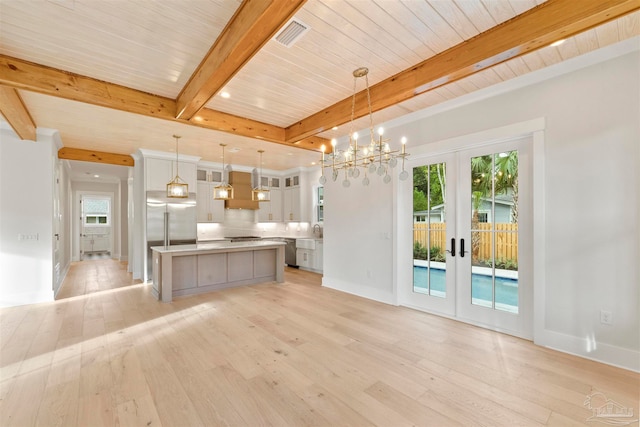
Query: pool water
506	289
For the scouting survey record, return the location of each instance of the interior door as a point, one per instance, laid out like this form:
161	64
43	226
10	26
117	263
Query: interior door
472	237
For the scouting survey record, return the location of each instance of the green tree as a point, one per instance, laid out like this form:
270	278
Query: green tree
506	167
419	201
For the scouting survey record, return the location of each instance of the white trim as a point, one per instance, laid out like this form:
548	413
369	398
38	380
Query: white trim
539	238
359	290
590	349
145	153
76	224
479	139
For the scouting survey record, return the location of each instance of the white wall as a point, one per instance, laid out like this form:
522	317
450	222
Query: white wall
26	201
591	185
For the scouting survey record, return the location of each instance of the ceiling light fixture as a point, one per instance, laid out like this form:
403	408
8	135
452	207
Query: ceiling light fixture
177	188
223	191
376	157
259	193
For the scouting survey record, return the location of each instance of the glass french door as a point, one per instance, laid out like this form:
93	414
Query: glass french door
472	241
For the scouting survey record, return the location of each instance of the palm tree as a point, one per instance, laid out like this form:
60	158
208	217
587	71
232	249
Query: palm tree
506	167
481	186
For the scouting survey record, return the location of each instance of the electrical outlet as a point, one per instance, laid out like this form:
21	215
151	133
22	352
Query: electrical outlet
606	318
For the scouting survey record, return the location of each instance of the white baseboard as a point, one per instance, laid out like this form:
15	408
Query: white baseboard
63	275
359	290
596	351
26	298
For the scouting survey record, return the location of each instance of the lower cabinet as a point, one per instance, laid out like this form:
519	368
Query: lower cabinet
305	258
222	269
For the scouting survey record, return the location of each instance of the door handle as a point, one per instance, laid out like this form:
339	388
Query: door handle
453	247
462	251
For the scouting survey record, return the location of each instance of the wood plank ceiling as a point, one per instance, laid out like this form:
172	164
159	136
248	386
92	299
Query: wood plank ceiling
118	76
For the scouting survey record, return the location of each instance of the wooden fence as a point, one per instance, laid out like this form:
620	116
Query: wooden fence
506	236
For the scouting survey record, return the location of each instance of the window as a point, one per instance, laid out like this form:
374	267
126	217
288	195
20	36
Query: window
483	217
96	211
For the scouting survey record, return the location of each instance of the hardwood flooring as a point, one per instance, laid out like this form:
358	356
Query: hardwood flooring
291	354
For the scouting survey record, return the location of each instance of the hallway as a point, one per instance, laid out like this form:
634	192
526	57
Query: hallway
95	275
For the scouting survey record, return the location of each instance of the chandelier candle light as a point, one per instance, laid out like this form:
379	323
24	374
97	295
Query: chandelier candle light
177	188
376	157
259	193
223	191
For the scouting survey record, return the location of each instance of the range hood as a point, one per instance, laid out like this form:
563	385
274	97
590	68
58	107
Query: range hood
241	183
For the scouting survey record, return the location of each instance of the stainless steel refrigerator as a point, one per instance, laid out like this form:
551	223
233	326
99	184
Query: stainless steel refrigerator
170	221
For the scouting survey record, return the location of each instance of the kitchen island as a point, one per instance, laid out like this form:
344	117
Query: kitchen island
192	269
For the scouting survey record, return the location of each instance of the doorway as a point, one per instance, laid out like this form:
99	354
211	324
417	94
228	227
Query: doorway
96	226
472	236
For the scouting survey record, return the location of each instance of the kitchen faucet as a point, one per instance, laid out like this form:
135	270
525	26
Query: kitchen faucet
319	232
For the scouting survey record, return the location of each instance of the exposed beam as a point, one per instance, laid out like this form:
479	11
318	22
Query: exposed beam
26	75
68	153
13	109
254	23
534	29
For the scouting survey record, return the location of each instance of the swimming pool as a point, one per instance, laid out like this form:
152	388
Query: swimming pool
506	288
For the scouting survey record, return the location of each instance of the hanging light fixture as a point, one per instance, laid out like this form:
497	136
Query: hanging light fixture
259	193
376	157
223	191
177	188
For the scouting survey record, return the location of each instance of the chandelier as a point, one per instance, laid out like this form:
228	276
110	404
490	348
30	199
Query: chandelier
223	191
259	193
177	188
376	157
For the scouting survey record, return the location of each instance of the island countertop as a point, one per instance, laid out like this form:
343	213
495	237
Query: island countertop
218	245
203	267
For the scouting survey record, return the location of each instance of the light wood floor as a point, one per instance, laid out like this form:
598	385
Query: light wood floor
291	354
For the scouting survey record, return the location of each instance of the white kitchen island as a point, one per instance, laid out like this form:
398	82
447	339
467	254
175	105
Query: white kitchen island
192	269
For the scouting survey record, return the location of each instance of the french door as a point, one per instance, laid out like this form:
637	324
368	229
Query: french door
472	236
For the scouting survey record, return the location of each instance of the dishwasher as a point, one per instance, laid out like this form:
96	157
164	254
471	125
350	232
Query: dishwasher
290	252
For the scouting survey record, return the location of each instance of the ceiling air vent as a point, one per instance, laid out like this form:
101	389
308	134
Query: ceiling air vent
291	33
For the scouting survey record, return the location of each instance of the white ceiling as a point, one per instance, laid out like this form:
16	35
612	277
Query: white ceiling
156	46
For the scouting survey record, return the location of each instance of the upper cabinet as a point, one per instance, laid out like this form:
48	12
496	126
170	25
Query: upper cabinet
209	210
292	199
160	171
209	175
271	211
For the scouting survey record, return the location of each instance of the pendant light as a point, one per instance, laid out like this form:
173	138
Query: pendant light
259	193
223	191
177	188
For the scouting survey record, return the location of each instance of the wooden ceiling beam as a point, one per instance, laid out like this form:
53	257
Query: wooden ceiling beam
15	112
20	74
525	33
68	153
254	24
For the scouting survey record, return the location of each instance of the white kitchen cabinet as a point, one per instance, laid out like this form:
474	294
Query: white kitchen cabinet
208	209
95	243
208	175
309	254
291	204
160	171
305	258
318	261
271	211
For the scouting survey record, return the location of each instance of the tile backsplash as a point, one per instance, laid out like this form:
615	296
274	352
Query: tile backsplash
242	222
